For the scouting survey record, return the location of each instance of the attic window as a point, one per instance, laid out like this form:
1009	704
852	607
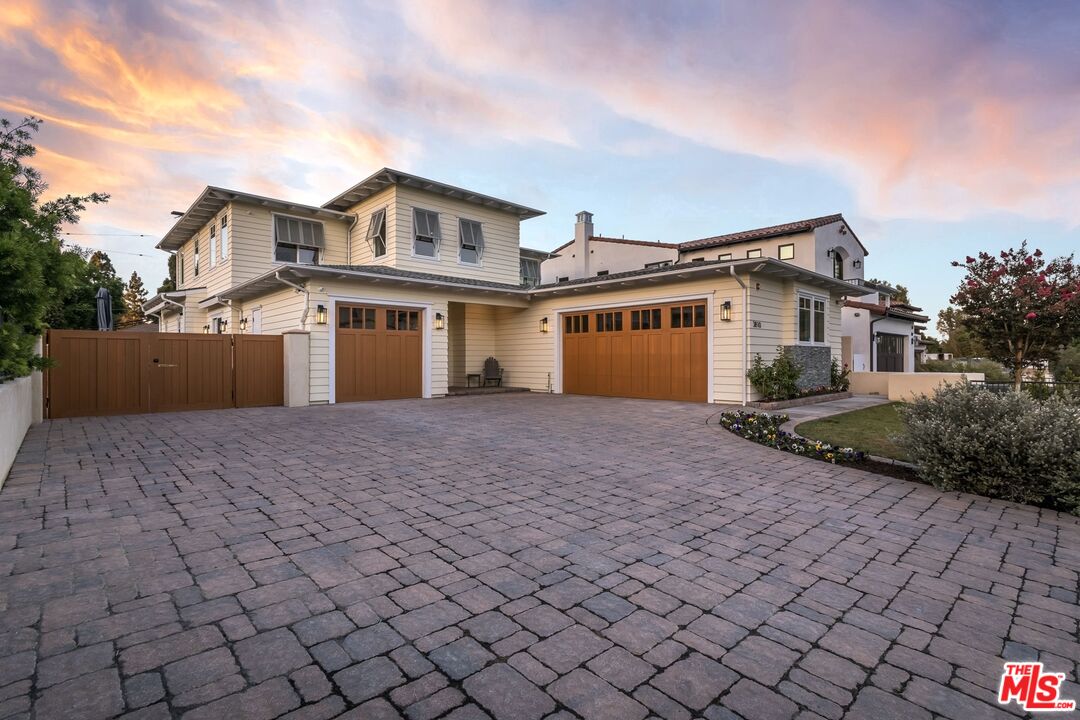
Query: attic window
656	265
787	252
472	242
377	232
753	253
297	241
724	256
426	233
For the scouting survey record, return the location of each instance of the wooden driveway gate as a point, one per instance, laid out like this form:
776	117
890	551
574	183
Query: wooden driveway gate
120	373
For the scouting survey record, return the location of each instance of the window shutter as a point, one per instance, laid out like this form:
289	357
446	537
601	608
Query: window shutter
281	229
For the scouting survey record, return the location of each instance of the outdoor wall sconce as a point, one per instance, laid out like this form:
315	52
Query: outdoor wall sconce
543	325
223	327
829	253
856	263
725	311
243	324
320	314
439	322
206	329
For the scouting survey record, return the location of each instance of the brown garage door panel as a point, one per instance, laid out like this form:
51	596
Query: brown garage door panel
378	353
665	361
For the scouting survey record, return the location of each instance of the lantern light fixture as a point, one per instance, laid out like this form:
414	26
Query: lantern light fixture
830	252
440	323
543	325
223	327
725	311
856	263
243	324
206	329
320	315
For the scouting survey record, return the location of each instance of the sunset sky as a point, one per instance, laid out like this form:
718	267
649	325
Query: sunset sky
937	128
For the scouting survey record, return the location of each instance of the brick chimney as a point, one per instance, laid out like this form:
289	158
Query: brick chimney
583	230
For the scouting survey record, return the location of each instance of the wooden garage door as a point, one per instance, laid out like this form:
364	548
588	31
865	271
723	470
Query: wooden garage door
658	352
378	353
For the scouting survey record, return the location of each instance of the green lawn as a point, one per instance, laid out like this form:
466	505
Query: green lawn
867	430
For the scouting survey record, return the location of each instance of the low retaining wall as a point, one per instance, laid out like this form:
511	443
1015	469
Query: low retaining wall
905	387
798	402
20	407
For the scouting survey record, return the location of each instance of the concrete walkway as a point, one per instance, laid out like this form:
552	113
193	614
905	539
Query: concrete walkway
798	415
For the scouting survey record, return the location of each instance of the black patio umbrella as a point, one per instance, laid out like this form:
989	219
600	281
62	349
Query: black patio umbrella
104	310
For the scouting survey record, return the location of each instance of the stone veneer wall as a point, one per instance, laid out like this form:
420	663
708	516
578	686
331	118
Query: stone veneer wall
816	363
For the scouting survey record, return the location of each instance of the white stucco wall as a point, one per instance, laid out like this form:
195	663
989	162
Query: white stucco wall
615	257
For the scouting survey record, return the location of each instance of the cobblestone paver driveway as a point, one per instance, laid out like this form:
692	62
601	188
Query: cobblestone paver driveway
517	557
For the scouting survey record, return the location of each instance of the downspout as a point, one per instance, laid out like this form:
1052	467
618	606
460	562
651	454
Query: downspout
348	240
307	297
745	331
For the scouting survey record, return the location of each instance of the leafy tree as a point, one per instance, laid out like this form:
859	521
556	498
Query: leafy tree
1067	365
901	295
1021	307
169	283
134	297
959	339
36	271
77	306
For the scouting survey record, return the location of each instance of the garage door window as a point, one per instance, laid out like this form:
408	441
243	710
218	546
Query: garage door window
645	319
403	320
688	316
577	324
609	321
356	318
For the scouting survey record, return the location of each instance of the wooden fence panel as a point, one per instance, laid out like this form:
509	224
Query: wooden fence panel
95	373
259	370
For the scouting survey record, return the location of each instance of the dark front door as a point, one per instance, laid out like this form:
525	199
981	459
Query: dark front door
890	352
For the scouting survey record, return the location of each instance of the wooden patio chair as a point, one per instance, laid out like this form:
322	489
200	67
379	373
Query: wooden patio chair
492	372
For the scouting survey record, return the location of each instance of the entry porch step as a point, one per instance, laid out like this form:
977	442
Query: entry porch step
455	390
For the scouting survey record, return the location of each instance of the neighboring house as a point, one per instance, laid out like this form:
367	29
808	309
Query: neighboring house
402	286
883	334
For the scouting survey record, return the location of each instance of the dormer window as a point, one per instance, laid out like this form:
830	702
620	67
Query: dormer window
426	236
297	241
530	272
377	233
472	242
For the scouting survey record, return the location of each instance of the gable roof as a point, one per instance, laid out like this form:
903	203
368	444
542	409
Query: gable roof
621	241
213	200
387	176
791	228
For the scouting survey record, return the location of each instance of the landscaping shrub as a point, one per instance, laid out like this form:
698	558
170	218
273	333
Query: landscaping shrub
838	378
1009	445
765	430
994	371
777	380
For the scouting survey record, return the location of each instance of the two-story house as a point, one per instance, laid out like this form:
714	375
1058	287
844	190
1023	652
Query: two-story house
403	286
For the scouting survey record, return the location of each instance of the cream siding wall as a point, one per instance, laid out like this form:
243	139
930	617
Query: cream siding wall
251	248
455	329
529	356
501	258
362	251
770	248
479	336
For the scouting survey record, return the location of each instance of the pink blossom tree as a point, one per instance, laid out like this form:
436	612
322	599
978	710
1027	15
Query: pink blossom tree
1022	307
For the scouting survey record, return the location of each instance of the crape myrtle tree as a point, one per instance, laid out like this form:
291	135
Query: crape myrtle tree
1021	307
36	272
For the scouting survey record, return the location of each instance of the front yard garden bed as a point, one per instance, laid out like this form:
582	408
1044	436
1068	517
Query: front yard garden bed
799	401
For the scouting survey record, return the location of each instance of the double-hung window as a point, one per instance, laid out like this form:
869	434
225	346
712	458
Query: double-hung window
297	241
426	236
213	245
811	319
178	260
472	242
196	257
377	233
224	235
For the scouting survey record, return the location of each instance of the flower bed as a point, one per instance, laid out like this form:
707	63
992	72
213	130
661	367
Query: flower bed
765	430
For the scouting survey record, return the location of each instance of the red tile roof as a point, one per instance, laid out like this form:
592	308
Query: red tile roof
790	228
898	311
